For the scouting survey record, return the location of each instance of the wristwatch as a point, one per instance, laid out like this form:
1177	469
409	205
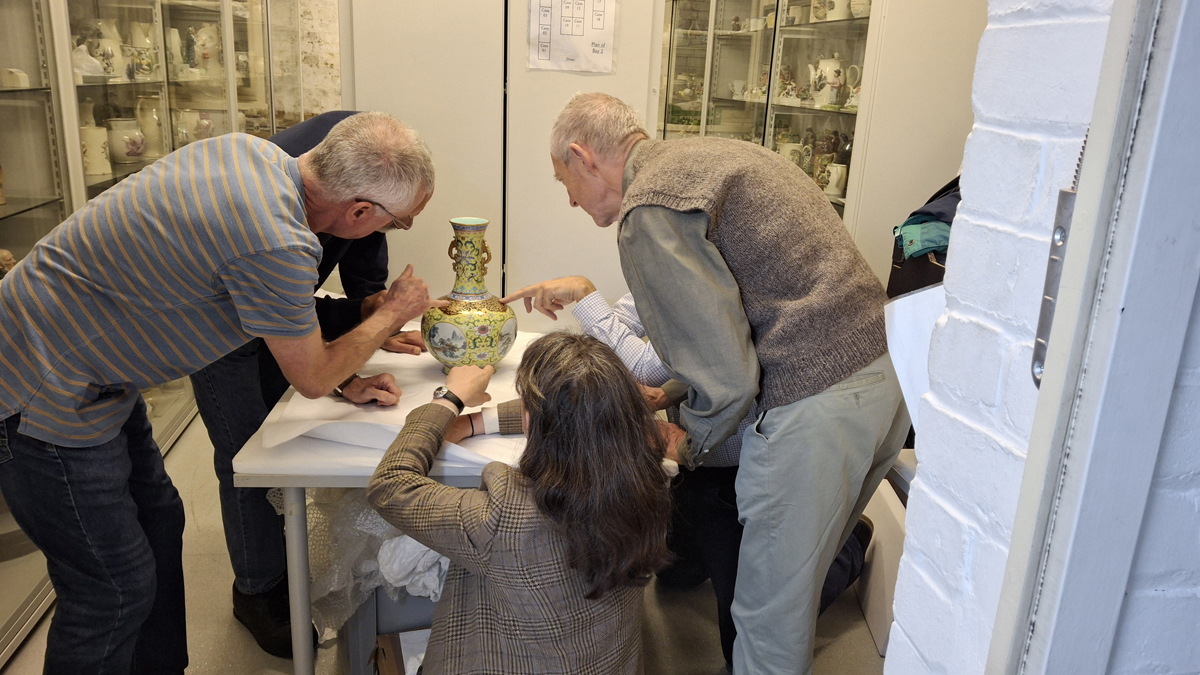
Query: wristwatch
443	392
338	390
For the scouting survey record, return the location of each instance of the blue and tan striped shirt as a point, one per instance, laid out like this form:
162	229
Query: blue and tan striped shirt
152	280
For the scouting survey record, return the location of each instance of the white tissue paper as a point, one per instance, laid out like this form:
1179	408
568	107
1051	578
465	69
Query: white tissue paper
403	561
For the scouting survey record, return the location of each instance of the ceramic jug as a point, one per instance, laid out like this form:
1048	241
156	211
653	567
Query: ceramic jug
822	79
95	151
108	30
125	141
475	329
86	118
837	10
139	35
837	180
149	118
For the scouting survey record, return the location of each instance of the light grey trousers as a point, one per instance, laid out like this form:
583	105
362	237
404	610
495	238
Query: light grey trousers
807	471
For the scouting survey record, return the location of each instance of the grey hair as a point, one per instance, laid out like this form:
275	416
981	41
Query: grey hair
602	122
374	156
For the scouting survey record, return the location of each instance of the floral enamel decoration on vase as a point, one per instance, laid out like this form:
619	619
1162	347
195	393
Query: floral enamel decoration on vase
475	329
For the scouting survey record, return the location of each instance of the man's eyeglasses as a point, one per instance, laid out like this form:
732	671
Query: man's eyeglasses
396	224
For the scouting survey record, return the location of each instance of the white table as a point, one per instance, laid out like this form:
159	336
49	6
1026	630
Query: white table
307	462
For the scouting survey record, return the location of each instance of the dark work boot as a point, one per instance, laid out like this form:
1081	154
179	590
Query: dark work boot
268	619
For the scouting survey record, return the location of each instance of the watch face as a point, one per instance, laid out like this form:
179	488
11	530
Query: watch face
440	392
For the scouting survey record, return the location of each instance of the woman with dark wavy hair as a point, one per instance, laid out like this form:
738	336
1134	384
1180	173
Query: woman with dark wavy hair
548	560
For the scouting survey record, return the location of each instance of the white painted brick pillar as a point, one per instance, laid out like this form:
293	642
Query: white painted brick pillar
1035	82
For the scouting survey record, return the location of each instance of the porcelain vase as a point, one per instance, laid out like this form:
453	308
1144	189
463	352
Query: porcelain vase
95	151
150	121
475	329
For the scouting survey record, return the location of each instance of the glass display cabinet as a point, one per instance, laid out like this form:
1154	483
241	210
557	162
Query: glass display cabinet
32	185
784	74
218	75
142	78
146	77
118	69
32	202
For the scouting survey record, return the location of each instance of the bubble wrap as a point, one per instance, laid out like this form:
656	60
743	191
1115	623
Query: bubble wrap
344	536
346	541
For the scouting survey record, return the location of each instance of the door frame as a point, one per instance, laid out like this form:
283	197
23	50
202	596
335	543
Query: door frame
1127	293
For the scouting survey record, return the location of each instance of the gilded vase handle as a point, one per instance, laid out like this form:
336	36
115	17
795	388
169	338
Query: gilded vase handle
485	259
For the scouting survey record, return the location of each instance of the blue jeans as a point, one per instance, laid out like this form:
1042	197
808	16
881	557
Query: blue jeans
230	398
110	524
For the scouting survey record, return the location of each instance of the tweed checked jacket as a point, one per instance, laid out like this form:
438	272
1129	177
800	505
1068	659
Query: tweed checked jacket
511	604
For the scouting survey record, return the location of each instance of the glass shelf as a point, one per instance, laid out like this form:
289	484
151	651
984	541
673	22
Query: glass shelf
797	106
21	90
101	182
18	205
810	30
120	83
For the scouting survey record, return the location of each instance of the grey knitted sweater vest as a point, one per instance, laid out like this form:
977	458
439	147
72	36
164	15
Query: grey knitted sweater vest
814	306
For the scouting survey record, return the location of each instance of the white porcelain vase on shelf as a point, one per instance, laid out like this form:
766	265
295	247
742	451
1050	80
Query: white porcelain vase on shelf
125	140
95	151
149	114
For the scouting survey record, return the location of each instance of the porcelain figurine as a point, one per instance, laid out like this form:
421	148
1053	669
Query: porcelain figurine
7	260
189	53
475	329
736	24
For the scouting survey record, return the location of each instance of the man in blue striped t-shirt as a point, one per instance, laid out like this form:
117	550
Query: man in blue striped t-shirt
161	275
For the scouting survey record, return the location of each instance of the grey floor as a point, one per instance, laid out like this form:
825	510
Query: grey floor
680	633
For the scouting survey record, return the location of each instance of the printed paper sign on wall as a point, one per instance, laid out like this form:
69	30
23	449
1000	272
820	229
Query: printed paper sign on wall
572	35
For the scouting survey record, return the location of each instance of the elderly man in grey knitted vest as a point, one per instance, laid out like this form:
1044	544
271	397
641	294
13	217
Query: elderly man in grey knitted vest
757	300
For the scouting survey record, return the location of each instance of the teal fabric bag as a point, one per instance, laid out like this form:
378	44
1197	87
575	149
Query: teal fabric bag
922	234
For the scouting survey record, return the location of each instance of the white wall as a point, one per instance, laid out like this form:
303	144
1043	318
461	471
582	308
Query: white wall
1035	83
915	116
442	73
546	237
1160	620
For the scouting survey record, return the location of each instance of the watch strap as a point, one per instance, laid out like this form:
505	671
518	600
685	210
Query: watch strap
443	392
338	390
